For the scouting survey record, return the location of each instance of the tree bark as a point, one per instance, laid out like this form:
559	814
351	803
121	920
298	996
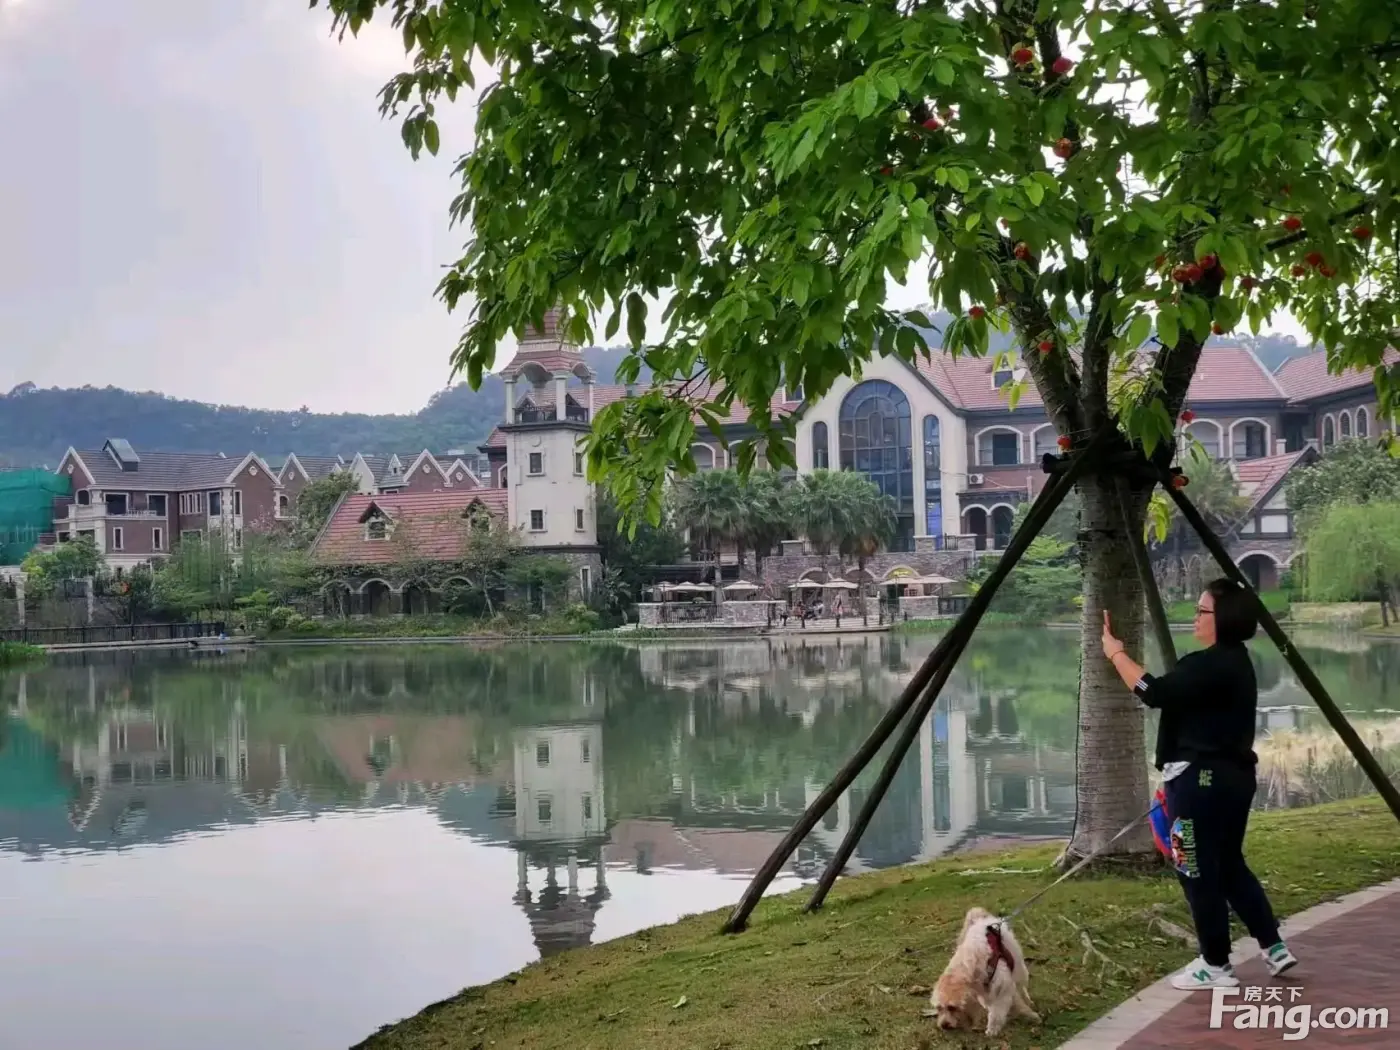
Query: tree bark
1112	786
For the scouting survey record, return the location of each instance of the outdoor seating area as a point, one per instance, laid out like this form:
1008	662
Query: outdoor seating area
817	601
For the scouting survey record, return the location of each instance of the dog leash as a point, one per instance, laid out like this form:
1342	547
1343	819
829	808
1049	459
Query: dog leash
994	941
1080	865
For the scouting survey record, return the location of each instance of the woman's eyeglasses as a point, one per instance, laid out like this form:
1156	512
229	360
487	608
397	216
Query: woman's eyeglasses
1204	612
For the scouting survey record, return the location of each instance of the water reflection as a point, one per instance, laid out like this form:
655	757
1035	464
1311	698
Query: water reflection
592	771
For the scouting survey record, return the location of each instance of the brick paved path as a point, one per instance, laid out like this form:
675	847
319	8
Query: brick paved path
1349	952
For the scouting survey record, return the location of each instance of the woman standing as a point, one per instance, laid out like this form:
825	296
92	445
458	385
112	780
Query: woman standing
1205	751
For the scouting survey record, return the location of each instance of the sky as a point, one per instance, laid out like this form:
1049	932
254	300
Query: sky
201	198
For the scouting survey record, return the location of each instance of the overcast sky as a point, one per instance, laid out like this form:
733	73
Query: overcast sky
200	198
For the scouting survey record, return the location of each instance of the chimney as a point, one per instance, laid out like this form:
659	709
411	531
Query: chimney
1281	447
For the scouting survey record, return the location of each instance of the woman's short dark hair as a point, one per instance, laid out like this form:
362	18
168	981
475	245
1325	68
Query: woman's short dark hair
1236	610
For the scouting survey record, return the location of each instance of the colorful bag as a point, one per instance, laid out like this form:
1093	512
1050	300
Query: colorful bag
1175	839
1161	825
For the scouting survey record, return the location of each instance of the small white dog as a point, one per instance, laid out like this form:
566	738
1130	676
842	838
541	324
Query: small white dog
986	977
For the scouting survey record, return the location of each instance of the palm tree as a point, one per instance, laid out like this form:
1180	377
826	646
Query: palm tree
822	507
871	523
767	516
710	505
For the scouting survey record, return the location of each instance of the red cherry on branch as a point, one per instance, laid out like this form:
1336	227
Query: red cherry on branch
1046	345
1361	233
1061	66
932	124
1292	224
1064	442
977	313
1248	283
1064	148
1326	270
1180	481
1187	415
1313	258
1023	56
1298	270
1022	250
887	170
1207	261
1218	328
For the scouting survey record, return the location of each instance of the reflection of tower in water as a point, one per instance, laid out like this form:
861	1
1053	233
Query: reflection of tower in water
560	823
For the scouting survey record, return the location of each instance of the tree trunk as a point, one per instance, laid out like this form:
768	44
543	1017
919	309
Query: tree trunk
1112	788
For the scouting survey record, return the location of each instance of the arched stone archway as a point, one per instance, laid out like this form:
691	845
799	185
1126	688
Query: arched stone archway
1261	570
1003	518
376	599
419	599
976	526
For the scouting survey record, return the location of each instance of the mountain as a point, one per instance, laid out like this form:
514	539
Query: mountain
38	425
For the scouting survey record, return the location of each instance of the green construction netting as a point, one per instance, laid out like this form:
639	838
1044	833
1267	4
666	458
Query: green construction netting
26	510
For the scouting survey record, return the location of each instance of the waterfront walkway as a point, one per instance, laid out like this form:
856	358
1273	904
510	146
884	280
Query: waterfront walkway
1349	952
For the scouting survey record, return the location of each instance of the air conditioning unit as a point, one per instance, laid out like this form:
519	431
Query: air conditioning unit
975	479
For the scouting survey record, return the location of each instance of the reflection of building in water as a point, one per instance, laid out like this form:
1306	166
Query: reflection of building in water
560	822
971	774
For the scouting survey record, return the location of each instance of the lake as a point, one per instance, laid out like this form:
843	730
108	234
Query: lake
287	848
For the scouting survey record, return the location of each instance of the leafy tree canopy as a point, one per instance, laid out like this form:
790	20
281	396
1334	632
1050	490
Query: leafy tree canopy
1079	173
1349	473
1353	552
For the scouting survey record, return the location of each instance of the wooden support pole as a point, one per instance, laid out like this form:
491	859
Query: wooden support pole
1051	497
1309	681
1156	611
814	812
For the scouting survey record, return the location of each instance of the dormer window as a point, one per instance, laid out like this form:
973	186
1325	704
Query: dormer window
376	529
1001	377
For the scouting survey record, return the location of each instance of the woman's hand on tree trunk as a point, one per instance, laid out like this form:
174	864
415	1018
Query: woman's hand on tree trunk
1111	645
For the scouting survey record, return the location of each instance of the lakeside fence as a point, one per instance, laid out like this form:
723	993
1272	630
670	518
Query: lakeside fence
113	633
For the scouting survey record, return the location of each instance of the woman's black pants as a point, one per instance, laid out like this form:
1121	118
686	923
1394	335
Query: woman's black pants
1212	803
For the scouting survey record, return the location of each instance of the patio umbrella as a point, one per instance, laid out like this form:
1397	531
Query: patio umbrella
842	585
931	581
741	585
802	585
693	588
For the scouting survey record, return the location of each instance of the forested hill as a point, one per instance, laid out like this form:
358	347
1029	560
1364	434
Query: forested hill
37	426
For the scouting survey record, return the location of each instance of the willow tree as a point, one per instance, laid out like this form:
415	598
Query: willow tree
1080	173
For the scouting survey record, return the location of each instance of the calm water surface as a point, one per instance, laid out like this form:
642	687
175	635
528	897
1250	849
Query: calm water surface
286	849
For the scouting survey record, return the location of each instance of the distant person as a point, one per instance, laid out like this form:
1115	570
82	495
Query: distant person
1205	750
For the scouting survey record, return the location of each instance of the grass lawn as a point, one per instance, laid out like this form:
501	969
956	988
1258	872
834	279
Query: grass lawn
858	974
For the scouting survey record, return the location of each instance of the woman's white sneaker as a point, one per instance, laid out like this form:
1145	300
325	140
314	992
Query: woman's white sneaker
1279	959
1201	975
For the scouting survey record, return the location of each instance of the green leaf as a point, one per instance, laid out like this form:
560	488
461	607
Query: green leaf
1138	331
1168	325
866	97
857	25
943	71
636	319
430	136
1035	192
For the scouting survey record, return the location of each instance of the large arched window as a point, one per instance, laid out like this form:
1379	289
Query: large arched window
1363	422
1346	425
1329	433
933	477
876	439
821	454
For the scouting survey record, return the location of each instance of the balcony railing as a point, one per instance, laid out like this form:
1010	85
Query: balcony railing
101	510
